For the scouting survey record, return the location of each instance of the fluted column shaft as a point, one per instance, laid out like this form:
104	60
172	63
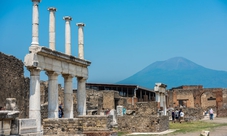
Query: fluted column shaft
52	94
34	97
80	40
67	35
81	96
52	28
68	96
35	23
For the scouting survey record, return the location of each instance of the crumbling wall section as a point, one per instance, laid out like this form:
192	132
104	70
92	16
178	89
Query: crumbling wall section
146	123
108	100
13	84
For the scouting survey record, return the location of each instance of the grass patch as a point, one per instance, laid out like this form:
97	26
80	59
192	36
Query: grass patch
185	127
193	126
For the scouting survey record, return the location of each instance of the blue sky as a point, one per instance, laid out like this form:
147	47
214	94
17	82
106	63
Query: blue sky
123	36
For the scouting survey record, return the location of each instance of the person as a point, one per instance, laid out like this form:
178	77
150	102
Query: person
176	114
181	116
1	108
60	112
211	112
173	116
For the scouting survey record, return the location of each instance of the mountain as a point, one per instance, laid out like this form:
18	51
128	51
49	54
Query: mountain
176	72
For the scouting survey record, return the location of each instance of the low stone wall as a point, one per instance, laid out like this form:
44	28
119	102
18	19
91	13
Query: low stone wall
94	125
192	114
143	123
222	113
62	126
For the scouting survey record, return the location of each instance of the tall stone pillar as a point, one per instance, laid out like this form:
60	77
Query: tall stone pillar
52	94
35	23
81	96
52	28
34	97
81	40
67	35
68	96
164	104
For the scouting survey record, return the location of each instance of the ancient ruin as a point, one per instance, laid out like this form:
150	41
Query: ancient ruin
198	98
92	108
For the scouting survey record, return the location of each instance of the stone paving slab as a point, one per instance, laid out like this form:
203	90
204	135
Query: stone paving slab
155	133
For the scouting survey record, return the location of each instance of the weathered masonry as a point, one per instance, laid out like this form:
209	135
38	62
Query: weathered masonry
135	92
195	96
55	63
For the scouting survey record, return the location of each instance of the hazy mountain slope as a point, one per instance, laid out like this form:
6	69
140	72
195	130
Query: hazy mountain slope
175	72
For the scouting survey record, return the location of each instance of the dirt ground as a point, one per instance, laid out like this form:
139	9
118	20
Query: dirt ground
220	131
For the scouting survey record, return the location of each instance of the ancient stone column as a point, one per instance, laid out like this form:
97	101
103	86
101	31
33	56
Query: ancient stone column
34	97
80	40
164	104
52	28
67	35
68	96
52	94
35	23
81	96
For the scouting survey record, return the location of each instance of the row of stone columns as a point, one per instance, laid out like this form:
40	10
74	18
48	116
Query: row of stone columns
34	95
67	34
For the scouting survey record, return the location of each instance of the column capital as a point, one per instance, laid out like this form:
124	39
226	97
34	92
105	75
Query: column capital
67	18
81	78
36	1
52	75
52	9
34	71
67	76
80	24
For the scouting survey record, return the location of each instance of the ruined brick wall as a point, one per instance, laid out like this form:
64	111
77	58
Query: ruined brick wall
146	108
13	84
139	123
192	114
89	125
93	123
206	99
185	95
62	126
108	100
222	105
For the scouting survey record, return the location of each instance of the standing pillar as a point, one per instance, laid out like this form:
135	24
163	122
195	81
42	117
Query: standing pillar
52	94
35	23
81	40
67	35
81	96
164	104
52	28
68	96
34	97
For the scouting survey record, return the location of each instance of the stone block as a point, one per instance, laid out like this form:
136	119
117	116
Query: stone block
27	126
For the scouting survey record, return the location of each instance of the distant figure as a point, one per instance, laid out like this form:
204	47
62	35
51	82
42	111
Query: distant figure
173	116
211	112
176	114
60	112
181	116
1	108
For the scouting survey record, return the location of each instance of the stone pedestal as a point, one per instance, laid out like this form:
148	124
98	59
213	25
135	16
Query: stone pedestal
120	110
